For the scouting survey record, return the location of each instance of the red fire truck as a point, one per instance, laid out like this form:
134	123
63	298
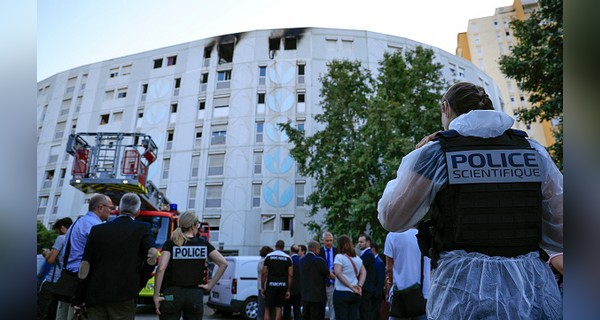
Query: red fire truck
114	163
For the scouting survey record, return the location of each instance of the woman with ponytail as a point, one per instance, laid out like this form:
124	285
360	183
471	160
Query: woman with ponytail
181	266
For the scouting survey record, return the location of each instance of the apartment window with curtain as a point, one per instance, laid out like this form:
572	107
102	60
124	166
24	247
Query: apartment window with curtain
213	196
191	197
256	189
215	164
165	169
195	166
259	132
300	194
258	159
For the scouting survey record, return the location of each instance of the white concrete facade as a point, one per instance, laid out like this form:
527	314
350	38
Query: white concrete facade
212	107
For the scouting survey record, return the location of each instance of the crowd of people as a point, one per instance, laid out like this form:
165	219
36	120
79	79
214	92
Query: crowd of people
492	246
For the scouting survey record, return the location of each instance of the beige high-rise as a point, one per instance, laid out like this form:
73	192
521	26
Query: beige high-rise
486	40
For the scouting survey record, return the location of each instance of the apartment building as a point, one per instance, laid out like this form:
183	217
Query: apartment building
486	40
212	107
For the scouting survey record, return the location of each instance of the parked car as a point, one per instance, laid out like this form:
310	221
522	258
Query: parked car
237	290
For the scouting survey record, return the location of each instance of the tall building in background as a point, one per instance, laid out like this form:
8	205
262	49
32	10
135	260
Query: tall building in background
485	41
212	107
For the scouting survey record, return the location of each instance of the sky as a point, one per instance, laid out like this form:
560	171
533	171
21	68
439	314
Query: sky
72	33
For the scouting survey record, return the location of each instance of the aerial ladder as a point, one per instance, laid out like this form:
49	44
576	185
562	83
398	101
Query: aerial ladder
115	163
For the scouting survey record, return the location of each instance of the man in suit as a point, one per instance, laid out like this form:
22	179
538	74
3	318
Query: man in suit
315	275
379	284
328	252
295	294
368	291
118	257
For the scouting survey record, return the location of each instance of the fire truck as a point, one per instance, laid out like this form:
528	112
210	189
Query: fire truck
115	163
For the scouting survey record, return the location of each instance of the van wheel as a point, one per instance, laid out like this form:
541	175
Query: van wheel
250	309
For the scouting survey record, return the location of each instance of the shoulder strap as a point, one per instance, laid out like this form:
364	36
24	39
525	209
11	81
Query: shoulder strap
353	265
68	249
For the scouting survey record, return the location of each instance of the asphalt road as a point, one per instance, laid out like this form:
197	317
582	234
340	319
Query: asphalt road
147	312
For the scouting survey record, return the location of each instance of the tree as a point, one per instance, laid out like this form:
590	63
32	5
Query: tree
369	124
45	237
536	63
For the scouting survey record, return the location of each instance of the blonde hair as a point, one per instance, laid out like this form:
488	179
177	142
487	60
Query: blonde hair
186	221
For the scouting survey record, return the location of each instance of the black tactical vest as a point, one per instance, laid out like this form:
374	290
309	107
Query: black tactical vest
492	203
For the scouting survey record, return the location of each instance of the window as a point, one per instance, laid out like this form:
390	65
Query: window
117	116
268	222
198	138
301	97
48	176
126	70
122	93
218	136
207	53
215	164
287	223
109	94
158	63
301	73
522	98
221	107
259	131
63	173
78	103
213	196
71	85
171	61
258	156
300	126
66	105
300	194
223	79
201	105
174	107
60	130
177	85
141	112
191	197
165	172
170	136
56	203
114	72
262	75
274	44
289	43
225	52
42	204
195	166
256	195
144	92
213	223
261	98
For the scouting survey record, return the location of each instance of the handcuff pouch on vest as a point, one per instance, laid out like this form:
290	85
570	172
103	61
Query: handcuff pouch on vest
492	203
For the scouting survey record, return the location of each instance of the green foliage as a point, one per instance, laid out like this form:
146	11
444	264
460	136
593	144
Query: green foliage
369	124
536	63
45	237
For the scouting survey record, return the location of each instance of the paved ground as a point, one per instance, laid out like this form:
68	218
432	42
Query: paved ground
146	312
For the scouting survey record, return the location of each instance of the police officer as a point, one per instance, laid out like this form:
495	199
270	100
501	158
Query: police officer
181	266
495	198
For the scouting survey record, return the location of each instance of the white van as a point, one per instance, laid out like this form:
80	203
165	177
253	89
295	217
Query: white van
237	290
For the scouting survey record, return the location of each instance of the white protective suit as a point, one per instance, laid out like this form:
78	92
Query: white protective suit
474	285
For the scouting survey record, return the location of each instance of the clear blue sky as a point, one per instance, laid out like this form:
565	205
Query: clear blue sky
71	33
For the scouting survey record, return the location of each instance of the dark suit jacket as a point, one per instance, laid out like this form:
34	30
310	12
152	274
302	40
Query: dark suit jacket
368	259
314	273
116	252
380	283
295	288
322	254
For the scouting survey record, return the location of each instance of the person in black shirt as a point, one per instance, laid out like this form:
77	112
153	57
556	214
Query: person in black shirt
181	269
277	280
